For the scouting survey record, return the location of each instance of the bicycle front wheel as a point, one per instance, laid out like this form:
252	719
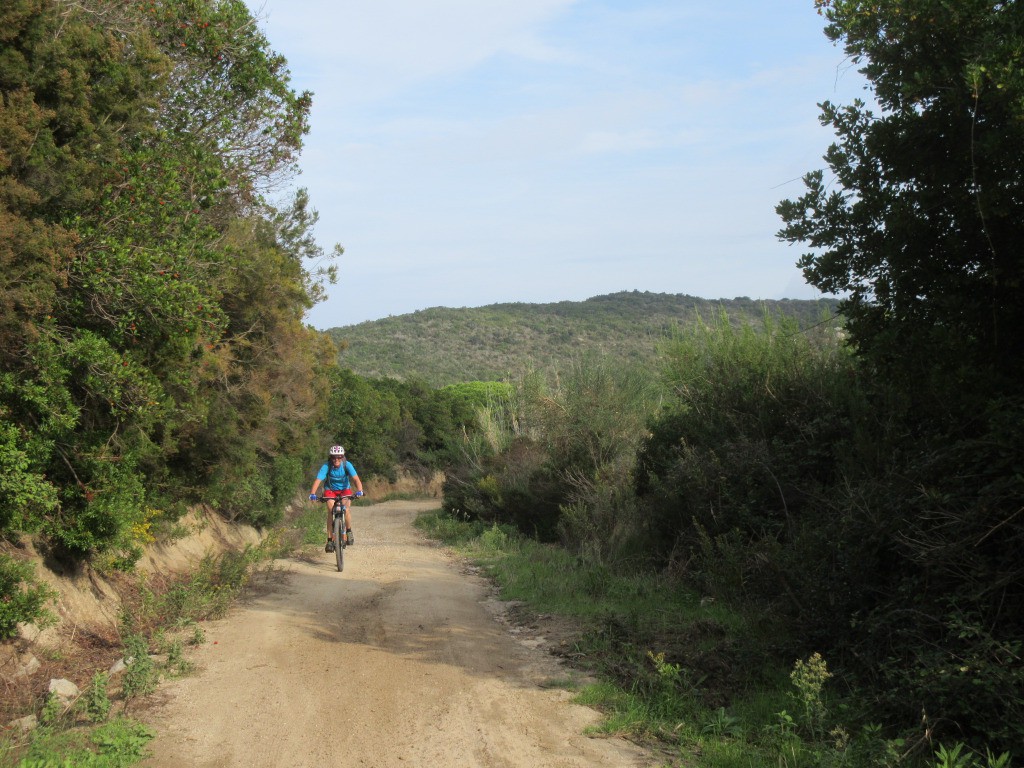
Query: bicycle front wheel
339	545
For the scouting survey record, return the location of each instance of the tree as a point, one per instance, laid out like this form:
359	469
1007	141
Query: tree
921	229
922	225
151	299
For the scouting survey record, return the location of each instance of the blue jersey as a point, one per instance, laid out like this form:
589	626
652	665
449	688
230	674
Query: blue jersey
336	478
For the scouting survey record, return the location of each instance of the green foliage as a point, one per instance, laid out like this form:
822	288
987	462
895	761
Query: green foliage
140	675
151	335
553	460
959	756
722	724
118	744
772	476
448	529
366	418
25	496
208	591
286	475
737	461
502	342
108	512
53	710
387	424
122	742
198	636
771	480
921	223
919	229
22	597
673	695
95	703
177	664
809	678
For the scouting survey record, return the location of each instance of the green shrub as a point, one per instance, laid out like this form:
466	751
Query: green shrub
22	597
25	494
95	702
752	437
105	516
546	449
140	675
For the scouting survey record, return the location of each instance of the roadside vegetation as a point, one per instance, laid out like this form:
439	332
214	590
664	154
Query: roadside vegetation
153	353
669	667
752	573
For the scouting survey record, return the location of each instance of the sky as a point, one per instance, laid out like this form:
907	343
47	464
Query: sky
473	152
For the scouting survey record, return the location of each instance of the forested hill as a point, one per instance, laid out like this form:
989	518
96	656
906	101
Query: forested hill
443	346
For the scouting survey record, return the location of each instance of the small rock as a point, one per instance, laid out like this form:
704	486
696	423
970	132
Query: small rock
27	723
65	689
28	632
119	666
29	665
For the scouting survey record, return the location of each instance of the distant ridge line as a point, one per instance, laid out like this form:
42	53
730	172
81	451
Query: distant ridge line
445	345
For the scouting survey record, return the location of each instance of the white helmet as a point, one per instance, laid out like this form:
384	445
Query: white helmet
336	450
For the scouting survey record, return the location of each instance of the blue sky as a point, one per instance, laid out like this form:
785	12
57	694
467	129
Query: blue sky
469	152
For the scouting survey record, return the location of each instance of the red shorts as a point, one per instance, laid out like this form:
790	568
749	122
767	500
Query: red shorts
338	494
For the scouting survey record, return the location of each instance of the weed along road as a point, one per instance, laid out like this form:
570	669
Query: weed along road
399	661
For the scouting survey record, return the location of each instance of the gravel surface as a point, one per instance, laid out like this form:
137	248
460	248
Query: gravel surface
399	661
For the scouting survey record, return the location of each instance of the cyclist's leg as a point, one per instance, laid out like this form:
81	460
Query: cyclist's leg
346	502
330	517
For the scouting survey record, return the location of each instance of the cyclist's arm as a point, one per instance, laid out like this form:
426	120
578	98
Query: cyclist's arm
321	477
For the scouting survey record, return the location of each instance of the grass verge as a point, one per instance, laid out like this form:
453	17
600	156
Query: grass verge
677	673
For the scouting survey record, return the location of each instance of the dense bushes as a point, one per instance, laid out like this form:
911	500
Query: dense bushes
551	454
775	475
387	425
746	451
152	345
779	478
918	225
940	630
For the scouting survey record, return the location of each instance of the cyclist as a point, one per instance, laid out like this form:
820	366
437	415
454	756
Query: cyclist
337	475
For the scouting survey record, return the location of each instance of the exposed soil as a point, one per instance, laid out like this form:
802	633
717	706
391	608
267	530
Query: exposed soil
405	659
85	638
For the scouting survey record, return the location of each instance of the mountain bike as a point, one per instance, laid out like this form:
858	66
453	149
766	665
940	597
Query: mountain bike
338	530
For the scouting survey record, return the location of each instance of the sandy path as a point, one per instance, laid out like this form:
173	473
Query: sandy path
396	662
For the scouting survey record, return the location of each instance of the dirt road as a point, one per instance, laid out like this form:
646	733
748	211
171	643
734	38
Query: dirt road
397	662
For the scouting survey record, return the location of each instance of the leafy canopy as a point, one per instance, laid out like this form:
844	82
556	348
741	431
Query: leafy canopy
921	226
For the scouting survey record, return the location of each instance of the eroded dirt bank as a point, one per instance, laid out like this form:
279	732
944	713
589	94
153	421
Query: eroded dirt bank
396	662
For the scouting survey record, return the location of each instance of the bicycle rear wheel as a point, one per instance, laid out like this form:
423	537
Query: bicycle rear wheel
339	545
